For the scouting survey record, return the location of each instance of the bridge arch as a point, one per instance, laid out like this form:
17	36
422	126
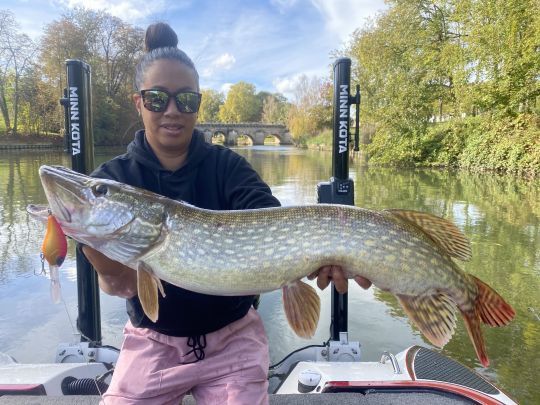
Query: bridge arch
257	132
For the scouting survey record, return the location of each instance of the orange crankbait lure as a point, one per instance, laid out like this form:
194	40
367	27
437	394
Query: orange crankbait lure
54	249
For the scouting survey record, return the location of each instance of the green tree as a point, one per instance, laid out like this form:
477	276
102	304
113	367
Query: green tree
241	104
8	25
39	104
261	97
16	56
210	104
502	49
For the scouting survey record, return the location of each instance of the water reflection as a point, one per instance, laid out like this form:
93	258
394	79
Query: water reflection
500	214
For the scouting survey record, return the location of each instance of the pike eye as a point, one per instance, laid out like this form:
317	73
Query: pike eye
100	190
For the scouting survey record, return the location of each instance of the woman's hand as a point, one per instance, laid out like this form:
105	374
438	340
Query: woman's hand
335	273
114	277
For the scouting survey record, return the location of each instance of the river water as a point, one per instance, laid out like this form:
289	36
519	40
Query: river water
500	215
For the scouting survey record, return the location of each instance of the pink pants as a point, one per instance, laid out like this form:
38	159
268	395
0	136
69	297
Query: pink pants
151	370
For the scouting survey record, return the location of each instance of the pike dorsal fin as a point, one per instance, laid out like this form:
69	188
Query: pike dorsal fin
442	232
433	314
147	287
302	307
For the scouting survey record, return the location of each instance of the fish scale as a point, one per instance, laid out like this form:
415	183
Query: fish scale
408	253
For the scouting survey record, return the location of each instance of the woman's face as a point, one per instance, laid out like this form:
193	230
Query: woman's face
168	132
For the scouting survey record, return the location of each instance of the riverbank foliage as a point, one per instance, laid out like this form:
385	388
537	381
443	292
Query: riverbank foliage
452	83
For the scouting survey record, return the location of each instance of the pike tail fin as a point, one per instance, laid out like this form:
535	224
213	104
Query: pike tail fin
433	314
492	308
302	307
489	308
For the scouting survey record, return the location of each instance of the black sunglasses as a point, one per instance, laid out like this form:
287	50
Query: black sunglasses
157	100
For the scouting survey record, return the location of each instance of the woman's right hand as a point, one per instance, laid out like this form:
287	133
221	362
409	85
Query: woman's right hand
114	277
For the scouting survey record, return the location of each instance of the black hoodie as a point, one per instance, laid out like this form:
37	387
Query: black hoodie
213	177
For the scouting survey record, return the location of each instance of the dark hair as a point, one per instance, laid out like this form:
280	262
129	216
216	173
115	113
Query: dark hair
160	42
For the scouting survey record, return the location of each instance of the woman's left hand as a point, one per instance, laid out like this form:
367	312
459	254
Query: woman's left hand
335	273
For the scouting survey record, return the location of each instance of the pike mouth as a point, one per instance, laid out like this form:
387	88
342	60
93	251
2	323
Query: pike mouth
65	190
41	212
38	211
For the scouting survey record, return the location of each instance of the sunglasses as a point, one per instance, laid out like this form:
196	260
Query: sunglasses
157	100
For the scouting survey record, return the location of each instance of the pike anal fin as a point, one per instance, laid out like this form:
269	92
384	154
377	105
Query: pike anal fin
302	307
147	288
433	314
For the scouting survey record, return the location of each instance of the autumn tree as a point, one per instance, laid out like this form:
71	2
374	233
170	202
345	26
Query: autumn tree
311	109
112	49
274	109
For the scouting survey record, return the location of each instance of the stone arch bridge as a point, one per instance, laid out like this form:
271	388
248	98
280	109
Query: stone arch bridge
256	131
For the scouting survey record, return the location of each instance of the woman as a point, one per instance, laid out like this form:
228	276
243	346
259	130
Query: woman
215	347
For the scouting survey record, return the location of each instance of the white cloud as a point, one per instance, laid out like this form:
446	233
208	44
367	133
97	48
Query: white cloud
286	85
130	10
225	61
225	87
342	17
283	5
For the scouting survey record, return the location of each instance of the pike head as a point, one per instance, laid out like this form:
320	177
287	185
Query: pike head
121	221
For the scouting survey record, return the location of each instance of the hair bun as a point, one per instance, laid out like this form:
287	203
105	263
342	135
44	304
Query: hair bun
160	35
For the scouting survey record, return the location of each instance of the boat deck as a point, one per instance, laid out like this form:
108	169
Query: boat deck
291	399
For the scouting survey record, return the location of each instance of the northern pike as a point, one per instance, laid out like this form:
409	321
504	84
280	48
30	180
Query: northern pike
245	252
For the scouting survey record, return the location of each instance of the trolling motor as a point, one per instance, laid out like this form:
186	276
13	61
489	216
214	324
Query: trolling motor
78	142
340	188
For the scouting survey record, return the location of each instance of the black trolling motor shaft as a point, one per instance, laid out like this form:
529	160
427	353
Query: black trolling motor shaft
340	188
79	143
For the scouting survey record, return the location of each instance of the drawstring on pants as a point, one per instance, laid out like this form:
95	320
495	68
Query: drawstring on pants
197	344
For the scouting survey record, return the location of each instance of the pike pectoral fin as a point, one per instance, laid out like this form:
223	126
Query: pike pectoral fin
434	315
147	287
302	307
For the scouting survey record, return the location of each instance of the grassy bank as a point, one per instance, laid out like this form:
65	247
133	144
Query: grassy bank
28	139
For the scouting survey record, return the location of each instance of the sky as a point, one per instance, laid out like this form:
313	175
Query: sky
267	43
